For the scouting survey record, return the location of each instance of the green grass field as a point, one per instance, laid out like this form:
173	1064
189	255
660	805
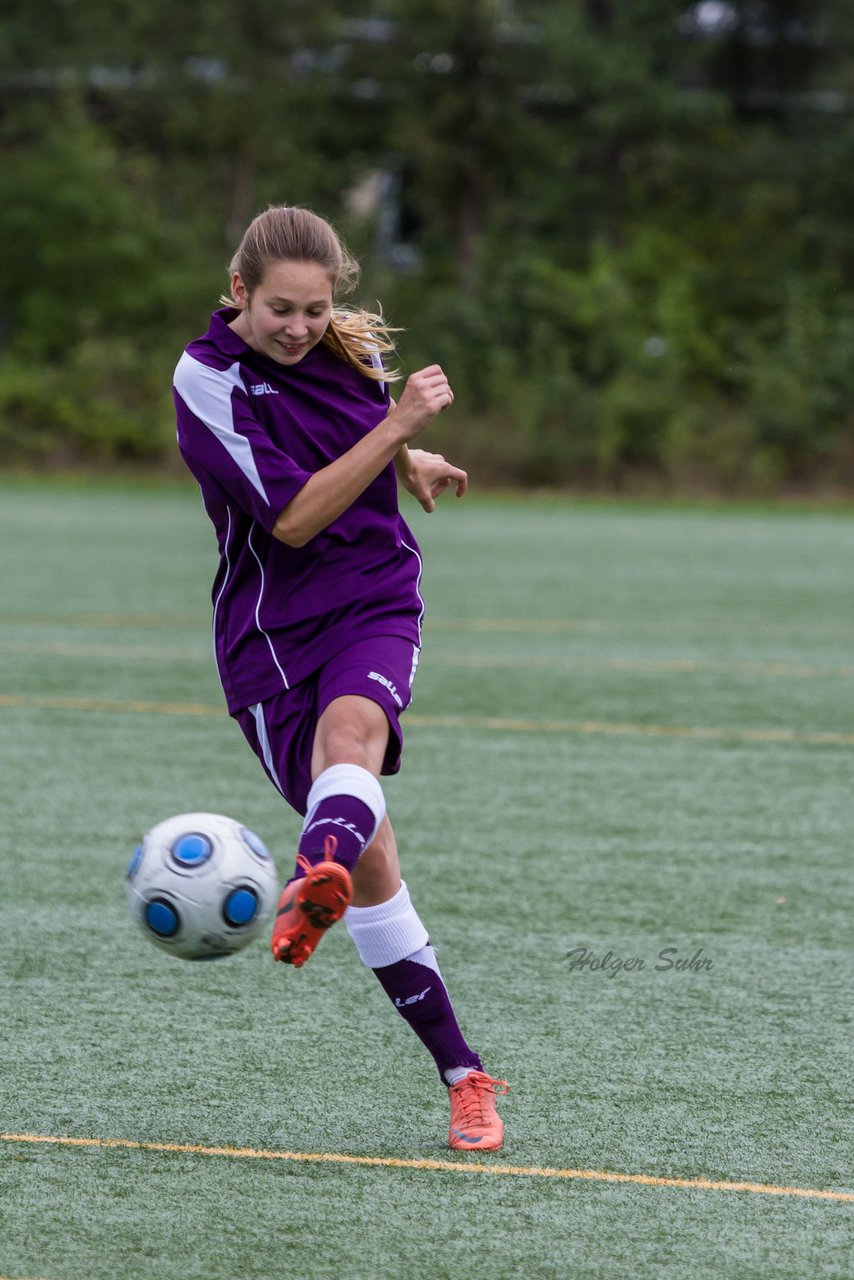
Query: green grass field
632	731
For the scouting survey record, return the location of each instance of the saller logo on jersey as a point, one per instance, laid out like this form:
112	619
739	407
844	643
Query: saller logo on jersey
263	389
383	680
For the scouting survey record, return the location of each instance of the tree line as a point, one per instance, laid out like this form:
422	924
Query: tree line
623	226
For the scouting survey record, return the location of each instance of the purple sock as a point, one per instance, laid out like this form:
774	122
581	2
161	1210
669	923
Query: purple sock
421	998
349	820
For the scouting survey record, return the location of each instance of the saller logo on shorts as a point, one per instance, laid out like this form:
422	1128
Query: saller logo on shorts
383	680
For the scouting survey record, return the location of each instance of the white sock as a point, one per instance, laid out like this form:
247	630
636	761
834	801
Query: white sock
347	780
388	932
454	1075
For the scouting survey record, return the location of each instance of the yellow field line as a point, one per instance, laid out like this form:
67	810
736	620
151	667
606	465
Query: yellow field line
718	626
440	1166
499	724
123	652
493	724
56	702
469	661
680	666
537	626
120	620
130	620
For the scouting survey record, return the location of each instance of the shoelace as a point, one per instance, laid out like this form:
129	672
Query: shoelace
472	1092
330	845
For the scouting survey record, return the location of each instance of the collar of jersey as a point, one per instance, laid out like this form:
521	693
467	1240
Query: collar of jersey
231	344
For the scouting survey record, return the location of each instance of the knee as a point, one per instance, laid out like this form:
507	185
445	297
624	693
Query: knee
352	730
344	744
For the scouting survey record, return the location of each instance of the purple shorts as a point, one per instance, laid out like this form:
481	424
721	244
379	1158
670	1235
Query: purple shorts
281	729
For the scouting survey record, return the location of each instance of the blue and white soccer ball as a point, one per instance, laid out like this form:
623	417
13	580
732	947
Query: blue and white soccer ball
201	885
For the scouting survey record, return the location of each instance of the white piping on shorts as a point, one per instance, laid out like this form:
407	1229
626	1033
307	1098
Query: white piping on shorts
264	742
416	655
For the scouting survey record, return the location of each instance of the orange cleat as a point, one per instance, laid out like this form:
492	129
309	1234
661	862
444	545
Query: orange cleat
475	1123
309	906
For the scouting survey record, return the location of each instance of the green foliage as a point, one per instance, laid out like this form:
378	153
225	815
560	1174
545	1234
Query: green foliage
633	249
83	224
104	402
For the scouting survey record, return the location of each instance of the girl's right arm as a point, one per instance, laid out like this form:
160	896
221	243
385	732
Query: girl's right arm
331	490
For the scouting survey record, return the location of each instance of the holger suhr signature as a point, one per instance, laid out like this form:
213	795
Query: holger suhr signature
668	960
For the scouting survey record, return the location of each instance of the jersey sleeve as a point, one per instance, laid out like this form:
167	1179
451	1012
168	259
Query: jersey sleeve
219	436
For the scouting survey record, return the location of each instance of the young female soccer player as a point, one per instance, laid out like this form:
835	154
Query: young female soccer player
285	420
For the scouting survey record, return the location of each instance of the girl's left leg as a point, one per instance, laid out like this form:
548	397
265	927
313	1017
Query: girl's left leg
392	940
344	803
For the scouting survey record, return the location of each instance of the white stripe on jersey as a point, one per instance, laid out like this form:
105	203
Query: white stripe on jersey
417	587
258	606
224	582
207	393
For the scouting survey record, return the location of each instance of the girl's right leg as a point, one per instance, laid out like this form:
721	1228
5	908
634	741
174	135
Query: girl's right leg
345	810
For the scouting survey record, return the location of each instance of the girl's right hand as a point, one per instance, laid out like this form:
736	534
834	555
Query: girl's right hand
426	393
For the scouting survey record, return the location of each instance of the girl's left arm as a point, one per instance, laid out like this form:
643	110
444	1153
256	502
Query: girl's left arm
427	475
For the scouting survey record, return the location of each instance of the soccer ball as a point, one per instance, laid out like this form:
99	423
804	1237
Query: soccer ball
201	885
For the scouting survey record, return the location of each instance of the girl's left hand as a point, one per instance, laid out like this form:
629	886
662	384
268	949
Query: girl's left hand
428	475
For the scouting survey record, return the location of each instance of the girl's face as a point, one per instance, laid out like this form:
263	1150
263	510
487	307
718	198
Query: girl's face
288	313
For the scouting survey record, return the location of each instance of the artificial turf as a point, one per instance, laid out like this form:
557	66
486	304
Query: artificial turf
632	731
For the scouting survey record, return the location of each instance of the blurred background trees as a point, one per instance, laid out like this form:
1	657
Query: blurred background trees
623	227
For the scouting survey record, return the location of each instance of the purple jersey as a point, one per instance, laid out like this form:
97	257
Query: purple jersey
253	432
